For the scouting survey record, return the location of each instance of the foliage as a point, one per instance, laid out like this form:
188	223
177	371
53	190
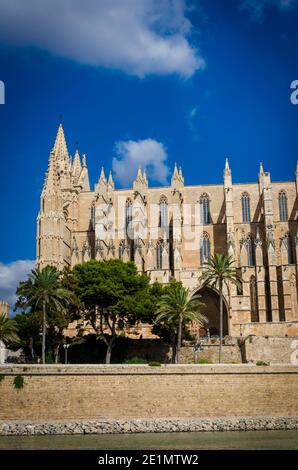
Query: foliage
219	272
43	285
262	363
18	382
44	290
204	361
154	364
2	377
114	295
176	308
135	360
8	330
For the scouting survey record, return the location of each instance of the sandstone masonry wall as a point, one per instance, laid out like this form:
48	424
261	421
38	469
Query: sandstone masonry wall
138	392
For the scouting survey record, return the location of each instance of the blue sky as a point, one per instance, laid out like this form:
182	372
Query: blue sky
203	79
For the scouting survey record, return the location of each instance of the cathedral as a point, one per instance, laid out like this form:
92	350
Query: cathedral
170	231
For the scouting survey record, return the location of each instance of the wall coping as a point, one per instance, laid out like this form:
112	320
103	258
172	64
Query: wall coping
137	369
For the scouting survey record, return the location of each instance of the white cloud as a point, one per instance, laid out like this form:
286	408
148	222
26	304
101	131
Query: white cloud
139	37
257	7
148	154
10	276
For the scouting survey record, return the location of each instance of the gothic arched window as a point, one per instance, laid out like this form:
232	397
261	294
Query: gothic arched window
163	212
128	218
288	246
245	201
159	255
93	216
254	307
250	251
204	248
283	206
205	209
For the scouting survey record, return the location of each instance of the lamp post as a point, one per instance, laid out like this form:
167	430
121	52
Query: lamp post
66	346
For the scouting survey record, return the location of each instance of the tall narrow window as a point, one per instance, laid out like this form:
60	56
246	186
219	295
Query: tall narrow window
205	209
240	281
254	307
245	208
204	248
163	213
283	206
128	218
250	252
159	255
93	217
288	247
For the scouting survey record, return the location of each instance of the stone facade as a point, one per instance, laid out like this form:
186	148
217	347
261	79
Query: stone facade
4	308
169	231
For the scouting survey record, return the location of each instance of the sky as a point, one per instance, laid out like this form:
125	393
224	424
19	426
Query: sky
141	82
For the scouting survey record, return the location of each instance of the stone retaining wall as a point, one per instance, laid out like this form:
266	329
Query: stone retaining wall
118	393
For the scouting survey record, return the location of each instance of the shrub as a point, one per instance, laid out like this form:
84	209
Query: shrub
262	363
154	364
18	382
2	377
135	360
204	361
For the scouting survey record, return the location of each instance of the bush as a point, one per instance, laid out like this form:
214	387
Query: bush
135	360
262	363
204	361
18	382
154	364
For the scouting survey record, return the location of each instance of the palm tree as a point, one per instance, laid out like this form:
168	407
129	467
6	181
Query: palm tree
43	289
219	272
178	305
8	329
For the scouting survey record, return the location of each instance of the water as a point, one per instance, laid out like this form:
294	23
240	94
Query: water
245	440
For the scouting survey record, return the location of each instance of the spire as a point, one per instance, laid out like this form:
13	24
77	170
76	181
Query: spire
140	183
145	177
102	177
180	174
261	172
51	181
227	174
76	166
111	181
84	177
297	168
60	147
139	175
177	178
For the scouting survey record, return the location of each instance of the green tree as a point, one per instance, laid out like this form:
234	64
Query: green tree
219	272
8	330
177	307
114	295
29	325
43	290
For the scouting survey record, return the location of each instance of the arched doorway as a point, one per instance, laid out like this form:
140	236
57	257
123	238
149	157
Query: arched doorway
210	299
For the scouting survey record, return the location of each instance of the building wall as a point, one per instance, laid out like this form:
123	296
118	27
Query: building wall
76	224
127	392
4	308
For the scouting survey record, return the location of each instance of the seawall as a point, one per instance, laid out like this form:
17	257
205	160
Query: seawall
187	394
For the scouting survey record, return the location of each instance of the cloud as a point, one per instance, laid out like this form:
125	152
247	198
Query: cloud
139	37
257	7
10	276
148	153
